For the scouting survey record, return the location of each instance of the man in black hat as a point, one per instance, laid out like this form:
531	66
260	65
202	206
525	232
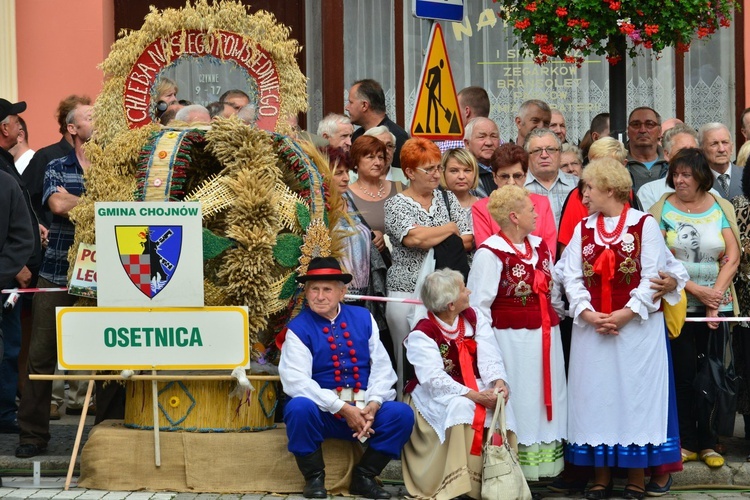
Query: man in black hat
10	129
339	379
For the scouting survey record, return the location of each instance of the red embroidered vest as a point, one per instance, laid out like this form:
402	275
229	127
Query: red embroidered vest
627	264
516	305
448	349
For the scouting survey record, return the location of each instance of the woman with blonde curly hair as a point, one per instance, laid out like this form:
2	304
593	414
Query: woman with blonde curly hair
619	362
517	303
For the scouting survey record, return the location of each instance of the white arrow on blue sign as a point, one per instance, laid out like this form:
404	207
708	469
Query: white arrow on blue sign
445	10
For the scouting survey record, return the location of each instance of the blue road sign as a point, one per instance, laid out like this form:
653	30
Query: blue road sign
445	10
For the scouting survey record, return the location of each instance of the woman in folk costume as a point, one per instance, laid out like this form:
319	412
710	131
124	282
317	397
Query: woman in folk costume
457	367
517	304
618	380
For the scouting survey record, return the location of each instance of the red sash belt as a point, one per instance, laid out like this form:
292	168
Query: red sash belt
467	347
541	288
605	267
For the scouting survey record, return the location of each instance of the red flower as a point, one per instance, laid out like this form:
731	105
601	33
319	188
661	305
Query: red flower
561	12
548	49
585	24
648	44
572	23
627	28
682	47
724	22
531	7
615	5
614	59
540	39
651	29
522	25
569	59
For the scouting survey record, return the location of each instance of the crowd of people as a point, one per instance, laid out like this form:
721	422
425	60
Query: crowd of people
545	269
558	264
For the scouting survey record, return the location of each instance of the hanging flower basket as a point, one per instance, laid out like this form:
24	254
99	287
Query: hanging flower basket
572	29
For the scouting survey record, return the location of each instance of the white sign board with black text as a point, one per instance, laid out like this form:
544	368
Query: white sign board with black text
149	254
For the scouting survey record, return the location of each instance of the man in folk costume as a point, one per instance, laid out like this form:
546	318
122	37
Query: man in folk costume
339	379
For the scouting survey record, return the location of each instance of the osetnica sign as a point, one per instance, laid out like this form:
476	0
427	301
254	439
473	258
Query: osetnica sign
102	338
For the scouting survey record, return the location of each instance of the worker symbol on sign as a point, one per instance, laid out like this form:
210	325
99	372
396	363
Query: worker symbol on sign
433	96
435	104
436	111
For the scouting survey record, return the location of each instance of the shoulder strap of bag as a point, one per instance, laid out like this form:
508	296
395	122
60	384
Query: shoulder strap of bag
447	204
350	200
499	413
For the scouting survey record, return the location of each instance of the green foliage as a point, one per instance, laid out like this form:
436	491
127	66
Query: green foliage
287	249
572	29
215	245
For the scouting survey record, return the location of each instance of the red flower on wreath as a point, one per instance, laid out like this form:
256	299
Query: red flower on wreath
531	7
561	12
615	5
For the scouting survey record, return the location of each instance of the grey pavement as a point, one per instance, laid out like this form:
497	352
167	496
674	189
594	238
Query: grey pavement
696	482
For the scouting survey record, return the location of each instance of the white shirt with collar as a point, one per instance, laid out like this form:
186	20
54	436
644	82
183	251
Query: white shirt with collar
295	370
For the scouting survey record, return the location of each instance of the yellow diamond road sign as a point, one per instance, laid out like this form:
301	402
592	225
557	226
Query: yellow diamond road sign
436	113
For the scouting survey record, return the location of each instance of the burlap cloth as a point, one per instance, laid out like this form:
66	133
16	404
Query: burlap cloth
121	459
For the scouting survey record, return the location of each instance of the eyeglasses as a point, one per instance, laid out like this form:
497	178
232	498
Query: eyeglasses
549	151
650	125
432	169
390	146
516	177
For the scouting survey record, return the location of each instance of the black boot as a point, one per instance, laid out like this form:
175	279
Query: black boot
363	477
314	470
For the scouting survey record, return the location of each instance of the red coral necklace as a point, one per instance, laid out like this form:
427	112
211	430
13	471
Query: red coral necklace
607	237
525	255
460	328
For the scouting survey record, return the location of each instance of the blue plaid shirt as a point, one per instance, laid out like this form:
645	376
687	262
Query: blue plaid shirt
68	173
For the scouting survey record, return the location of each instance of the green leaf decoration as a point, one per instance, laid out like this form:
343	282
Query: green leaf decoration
289	287
215	245
287	249
303	215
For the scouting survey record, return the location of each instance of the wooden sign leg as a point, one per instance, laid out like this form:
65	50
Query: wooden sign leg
79	434
155	404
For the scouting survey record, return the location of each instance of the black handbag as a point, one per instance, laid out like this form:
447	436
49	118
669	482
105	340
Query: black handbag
450	252
716	382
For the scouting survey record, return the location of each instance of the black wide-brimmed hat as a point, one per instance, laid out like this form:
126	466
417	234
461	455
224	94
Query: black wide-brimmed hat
8	108
324	269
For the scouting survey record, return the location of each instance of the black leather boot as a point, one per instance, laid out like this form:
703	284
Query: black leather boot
314	470
363	482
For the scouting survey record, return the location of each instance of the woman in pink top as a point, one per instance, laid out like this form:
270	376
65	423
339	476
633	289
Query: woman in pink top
509	166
